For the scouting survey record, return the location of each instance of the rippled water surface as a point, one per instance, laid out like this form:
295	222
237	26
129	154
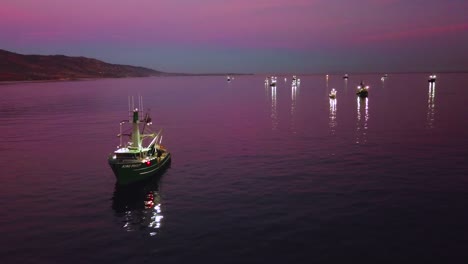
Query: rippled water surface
259	174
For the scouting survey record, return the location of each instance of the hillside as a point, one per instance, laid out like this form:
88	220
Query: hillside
18	67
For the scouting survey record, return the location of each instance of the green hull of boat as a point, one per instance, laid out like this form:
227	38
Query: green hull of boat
362	94
131	172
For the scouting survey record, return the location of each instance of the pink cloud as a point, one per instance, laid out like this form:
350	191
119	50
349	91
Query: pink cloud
12	14
288	24
416	33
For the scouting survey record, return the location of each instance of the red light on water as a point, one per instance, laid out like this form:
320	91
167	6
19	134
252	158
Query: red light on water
148	163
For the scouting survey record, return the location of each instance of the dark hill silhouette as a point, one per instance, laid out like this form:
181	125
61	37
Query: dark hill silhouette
18	67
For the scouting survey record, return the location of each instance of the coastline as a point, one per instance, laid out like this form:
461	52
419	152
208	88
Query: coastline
103	78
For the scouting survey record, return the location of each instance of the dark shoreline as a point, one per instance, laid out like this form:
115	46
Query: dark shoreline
106	78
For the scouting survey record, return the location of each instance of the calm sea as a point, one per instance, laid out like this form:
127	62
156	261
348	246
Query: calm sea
259	174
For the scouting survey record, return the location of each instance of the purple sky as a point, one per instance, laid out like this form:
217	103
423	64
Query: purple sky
302	36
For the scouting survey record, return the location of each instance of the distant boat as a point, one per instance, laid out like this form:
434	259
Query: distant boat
384	77
295	80
273	81
345	77
332	94
134	162
362	90
432	78
228	78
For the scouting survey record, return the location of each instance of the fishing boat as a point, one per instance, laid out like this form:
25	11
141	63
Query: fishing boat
384	77
132	162
332	94
346	77
432	78
273	81
296	81
362	90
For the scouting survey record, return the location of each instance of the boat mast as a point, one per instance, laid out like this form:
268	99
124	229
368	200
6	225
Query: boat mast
120	135
136	143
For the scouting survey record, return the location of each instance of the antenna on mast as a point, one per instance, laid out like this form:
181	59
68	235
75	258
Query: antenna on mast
120	135
140	105
141	102
129	108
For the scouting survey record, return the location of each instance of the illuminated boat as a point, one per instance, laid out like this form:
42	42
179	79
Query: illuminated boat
345	77
296	81
332	94
432	78
133	162
362	90
228	78
273	81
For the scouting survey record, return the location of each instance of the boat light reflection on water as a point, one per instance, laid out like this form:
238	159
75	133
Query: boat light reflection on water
139	207
362	120
332	115
294	94
274	110
346	86
431	105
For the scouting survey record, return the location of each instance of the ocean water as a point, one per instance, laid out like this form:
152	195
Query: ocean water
258	175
